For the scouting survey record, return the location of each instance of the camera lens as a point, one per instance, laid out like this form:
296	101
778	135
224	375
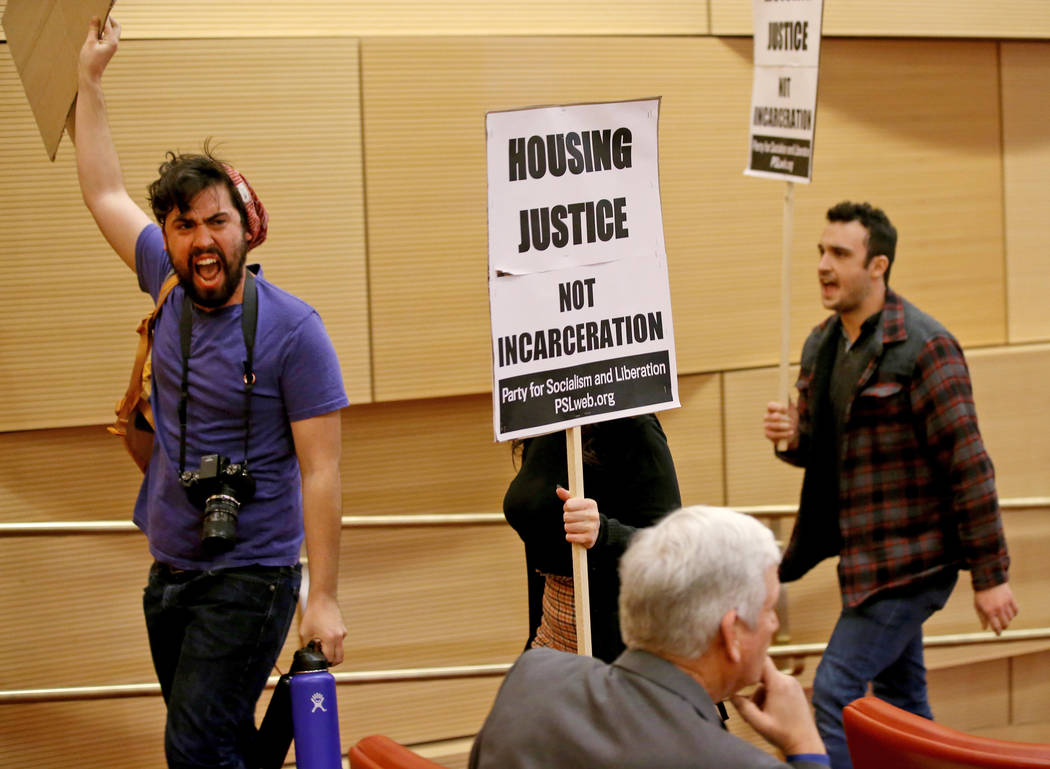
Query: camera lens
219	528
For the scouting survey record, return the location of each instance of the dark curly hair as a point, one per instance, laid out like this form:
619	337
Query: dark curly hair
882	235
183	176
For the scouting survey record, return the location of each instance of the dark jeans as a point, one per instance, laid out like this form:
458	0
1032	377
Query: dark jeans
878	642
215	636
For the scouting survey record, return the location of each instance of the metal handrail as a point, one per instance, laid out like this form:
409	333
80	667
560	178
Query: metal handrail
439	673
348	522
12	529
117	691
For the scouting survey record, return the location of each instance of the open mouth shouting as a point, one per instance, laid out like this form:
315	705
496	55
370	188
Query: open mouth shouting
211	280
208	268
828	286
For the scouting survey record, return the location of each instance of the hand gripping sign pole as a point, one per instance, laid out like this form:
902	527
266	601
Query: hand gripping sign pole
580	585
783	122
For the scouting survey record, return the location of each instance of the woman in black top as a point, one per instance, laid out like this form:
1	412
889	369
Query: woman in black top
629	482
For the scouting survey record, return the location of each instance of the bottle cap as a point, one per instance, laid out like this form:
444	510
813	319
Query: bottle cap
310	658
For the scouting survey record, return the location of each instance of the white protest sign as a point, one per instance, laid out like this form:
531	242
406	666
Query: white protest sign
578	293
784	89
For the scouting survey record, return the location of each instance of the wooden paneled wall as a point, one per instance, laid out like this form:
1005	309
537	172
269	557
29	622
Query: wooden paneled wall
361	127
1021	19
1026	157
722	229
286	113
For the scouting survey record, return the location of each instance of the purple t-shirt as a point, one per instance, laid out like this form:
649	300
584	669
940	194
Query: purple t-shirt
297	377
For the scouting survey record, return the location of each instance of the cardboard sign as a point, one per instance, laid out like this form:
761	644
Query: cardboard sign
578	292
45	37
784	90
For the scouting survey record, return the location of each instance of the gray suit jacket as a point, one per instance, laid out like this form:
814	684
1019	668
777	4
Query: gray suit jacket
562	710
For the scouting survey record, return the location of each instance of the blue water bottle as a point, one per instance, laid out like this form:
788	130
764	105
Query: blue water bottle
315	720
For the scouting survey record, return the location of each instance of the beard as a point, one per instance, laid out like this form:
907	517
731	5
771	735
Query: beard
232	272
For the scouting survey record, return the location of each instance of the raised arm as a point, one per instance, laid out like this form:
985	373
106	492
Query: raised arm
98	168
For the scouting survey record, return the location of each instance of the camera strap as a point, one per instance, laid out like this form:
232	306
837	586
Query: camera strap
249	323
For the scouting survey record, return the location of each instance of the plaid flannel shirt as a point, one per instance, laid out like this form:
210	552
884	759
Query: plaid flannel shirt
916	489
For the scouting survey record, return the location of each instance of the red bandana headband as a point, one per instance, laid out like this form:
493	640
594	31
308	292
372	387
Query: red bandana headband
258	219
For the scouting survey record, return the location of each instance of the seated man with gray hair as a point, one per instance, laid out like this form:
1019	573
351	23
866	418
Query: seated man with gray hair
697	599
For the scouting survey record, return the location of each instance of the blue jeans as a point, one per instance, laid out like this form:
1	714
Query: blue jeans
215	636
878	642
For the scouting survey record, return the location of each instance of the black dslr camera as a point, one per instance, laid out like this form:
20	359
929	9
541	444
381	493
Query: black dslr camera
219	488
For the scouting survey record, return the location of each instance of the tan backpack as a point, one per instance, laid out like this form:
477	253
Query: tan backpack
134	414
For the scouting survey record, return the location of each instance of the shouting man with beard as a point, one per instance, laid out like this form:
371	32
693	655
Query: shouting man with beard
246	398
897	481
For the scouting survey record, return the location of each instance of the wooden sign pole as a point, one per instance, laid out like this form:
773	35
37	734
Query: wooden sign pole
785	299
580	591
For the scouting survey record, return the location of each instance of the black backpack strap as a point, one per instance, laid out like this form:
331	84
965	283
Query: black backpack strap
185	333
249	324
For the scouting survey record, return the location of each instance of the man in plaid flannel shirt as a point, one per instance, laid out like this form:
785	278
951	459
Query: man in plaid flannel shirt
897	481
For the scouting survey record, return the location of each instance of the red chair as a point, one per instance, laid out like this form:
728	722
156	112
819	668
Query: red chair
379	752
881	735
